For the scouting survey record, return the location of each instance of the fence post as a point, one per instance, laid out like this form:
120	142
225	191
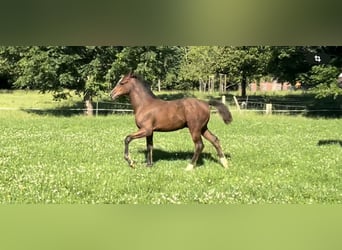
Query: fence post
97	109
224	99
237	103
268	109
159	85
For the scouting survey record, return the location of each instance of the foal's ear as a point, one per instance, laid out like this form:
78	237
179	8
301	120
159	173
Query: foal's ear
131	74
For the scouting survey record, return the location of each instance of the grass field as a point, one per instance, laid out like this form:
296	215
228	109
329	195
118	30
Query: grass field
65	160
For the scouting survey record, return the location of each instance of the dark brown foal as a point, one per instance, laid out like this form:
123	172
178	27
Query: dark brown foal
153	114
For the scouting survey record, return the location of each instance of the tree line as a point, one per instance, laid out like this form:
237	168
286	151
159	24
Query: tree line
92	70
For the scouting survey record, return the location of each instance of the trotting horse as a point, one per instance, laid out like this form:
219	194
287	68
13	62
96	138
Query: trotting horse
153	114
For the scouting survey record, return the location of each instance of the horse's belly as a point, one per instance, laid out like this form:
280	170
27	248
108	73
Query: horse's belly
169	125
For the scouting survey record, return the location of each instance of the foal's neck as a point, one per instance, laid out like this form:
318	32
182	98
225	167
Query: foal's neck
140	96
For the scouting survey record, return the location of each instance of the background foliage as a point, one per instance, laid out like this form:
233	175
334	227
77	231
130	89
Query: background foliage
92	69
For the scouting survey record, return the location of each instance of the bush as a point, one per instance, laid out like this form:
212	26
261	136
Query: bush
322	79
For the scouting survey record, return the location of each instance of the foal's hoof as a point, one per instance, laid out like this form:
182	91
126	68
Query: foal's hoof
190	167
224	162
131	164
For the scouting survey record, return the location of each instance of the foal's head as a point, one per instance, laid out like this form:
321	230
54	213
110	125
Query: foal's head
124	86
130	82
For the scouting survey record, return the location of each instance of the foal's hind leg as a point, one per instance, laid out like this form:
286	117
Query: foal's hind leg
197	139
216	143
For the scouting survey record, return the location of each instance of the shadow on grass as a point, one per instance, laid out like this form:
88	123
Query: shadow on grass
325	107
329	142
160	155
63	111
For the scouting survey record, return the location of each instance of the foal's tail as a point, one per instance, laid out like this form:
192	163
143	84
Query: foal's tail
223	110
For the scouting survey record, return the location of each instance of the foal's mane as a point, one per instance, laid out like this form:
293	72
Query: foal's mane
146	86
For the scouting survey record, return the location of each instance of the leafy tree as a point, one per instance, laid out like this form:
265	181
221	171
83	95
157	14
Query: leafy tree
288	62
154	63
323	80
89	69
316	67
324	76
240	64
244	63
199	62
332	54
8	58
59	69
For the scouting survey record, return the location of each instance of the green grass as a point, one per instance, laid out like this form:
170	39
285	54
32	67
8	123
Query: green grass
65	160
22	99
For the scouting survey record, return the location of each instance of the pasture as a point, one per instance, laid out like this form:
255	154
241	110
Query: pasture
274	159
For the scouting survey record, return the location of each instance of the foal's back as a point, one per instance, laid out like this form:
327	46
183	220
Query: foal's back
173	115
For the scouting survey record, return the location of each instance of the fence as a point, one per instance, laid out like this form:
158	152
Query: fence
286	107
103	108
112	108
248	104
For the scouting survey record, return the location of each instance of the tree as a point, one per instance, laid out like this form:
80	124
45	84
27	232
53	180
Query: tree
154	63
316	67
288	62
8	59
88	69
322	79
199	62
244	63
59	69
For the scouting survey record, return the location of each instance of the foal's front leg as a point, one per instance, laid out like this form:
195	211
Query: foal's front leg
149	147
128	139
143	132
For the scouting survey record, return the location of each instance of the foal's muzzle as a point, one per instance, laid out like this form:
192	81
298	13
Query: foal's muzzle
113	95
